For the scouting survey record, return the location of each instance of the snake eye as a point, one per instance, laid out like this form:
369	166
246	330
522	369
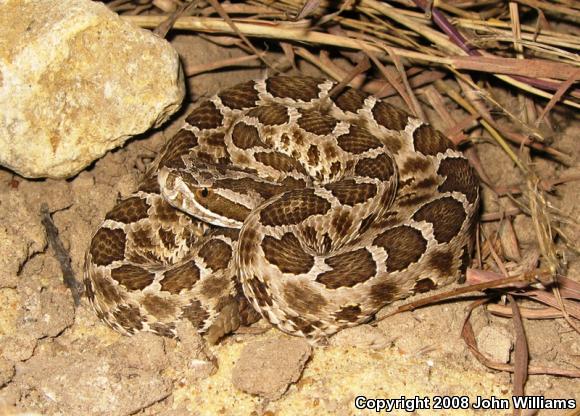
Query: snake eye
204	192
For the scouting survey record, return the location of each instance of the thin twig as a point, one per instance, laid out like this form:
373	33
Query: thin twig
520	351
61	254
495	284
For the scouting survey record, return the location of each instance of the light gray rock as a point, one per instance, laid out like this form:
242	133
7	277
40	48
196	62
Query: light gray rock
119	379
495	342
77	81
267	368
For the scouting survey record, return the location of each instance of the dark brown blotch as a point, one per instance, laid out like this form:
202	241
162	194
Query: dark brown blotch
424	285
128	317
350	193
429	141
141	238
317	123
231	233
293	208
247	312
195	314
216	139
390	116
366	223
348	269
358	140
132	277
349	313
108	246
427	183
415	164
312	240
162	308
206	116
296	88
341	223
313	155
129	210
163	329
442	262
240	96
381	167
246	136
89	289
413	199
350	99
460	177
302	298
215	286
216	254
270	115
307	326
445	214
165	212
287	254
178	146
404	245
334	169
180	278
384	292
330	152
224	206
150	185
279	161
260	292
464	263
248	243
290	183
105	289
167	238
393	142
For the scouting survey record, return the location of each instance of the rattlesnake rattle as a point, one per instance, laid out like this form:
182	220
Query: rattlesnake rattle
315	211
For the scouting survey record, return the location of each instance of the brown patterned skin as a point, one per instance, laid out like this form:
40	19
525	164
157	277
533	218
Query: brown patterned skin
316	210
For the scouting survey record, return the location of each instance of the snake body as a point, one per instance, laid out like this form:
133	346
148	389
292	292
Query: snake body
313	210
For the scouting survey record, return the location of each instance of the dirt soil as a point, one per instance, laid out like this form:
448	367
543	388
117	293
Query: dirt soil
60	359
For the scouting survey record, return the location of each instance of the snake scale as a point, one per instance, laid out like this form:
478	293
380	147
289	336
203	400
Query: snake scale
313	210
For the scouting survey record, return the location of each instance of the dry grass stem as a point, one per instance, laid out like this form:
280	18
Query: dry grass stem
224	63
528	313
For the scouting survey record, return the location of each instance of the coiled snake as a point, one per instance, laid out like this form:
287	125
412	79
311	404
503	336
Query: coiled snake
316	210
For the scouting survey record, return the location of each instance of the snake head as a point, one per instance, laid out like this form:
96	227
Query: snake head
198	197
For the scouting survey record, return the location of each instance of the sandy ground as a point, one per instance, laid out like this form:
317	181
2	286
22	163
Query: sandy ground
59	359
